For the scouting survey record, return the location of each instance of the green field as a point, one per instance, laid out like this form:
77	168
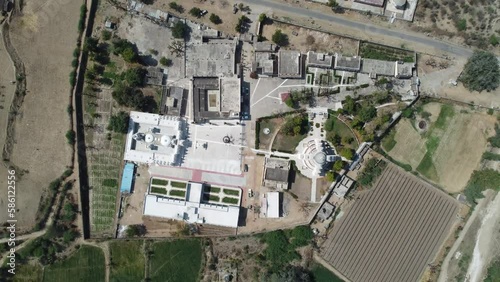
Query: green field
176	184
158	190
87	264
231	192
386	53
160	182
321	274
176	261
127	261
31	272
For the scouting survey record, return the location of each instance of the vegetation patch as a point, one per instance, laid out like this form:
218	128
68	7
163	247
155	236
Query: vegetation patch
177	193
110	182
158	190
389	142
175	261
176	184
87	264
481	72
321	274
230	200
127	261
231	192
379	52
480	181
160	182
493	274
491	156
373	169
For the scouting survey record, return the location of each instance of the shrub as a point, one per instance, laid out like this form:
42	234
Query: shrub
106	35
347	153
119	122
372	170
74	63
280	38
262	17
481	72
301	235
195	12
461	24
72	78
480	181
176	7
330	176
70	137
165	62
215	19
338	165
494	40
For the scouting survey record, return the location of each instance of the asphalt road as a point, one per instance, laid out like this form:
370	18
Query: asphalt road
363	27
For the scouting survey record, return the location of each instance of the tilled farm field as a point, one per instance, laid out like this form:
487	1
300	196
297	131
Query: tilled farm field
392	232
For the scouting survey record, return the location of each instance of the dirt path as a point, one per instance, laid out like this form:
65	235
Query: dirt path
443	276
485	247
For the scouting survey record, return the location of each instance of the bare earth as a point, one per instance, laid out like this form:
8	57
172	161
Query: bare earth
45	38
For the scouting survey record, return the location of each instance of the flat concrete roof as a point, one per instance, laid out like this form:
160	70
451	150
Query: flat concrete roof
277	174
347	63
174	101
215	98
289	64
377	3
230	94
215	58
378	67
192	209
319	60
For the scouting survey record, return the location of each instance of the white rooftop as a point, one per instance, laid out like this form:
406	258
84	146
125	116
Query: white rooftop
154	139
191	209
273	204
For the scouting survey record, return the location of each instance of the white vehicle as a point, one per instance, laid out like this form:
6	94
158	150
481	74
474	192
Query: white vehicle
250	193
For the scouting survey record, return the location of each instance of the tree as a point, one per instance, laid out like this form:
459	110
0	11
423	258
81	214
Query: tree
179	30
481	72
241	22
332	3
165	62
70	137
215	19
106	34
134	77
301	235
127	96
349	105
289	102
494	40
69	235
347	153
176	7
91	45
280	38
330	176
130	55
254	75
262	18
367	113
461	24
119	122
338	165
195	12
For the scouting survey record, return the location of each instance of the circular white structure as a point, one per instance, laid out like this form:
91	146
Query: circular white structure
149	138
320	158
400	4
266	131
165	140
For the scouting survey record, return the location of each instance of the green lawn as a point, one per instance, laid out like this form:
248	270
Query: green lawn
265	139
127	261
286	143
176	261
213	189
176	184
161	182
231	192
321	274
30	272
340	129
230	200
87	264
389	142
177	193
158	190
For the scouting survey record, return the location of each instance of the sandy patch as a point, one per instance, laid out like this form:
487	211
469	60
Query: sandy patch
40	145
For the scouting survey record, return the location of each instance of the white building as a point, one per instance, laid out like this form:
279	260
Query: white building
154	139
192	209
270	205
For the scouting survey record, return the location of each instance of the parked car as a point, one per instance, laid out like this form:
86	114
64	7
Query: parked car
245	168
203	12
250	193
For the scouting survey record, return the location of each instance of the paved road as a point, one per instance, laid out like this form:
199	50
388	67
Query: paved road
366	28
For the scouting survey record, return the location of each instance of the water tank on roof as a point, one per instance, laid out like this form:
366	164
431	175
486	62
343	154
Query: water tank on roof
400	4
149	138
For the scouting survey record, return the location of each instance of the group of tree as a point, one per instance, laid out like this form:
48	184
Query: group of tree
126	49
119	122
372	170
481	72
298	97
280	38
296	125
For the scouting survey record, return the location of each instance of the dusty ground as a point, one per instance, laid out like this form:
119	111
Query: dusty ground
463	251
410	146
307	40
44	38
459	152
